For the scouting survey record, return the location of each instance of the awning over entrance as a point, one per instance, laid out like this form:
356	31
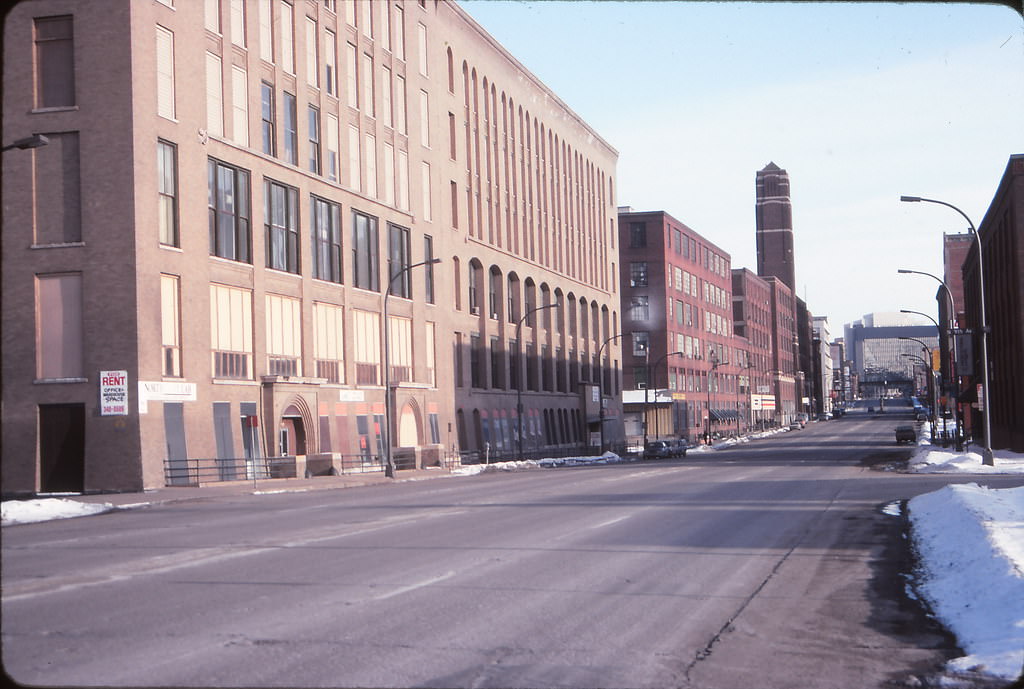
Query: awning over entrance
722	415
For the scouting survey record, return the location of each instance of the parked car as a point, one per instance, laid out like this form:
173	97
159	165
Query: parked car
657	449
678	448
905	434
795	426
921	416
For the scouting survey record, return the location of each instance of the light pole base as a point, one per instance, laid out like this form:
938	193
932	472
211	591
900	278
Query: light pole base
987	458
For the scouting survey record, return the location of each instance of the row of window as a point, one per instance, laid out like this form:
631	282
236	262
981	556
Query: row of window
500	366
683	245
232	335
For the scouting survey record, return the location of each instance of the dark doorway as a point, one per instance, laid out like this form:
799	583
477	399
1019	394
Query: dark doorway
292	433
61	448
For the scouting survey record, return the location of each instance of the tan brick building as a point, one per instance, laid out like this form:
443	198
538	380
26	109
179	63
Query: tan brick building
228	187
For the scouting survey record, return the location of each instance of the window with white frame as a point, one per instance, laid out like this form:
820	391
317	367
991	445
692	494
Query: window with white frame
164	73
284	335
214	96
329	342
231	332
239	105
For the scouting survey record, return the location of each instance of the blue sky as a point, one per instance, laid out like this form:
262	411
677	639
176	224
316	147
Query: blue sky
859	102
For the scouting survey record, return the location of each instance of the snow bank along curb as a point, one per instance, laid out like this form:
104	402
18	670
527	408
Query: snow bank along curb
45	509
970	543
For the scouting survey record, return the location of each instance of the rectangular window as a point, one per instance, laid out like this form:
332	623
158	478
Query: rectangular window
640	308
399	252
638	274
400	349
331	167
167	190
238	22
637	235
399	32
312	63
329	342
55	61
170	325
389	174
228	202
403	180
211	15
164	73
240	105
366	21
284	336
287	38
366	346
330	62
457	357
371	166
214	96
315	163
291	134
452	151
497	365
57	190
281	218
231	332
641	344
425	118
266	12
385	97
325	224
59	326
476	378
267	117
366	76
421	32
350	12
354	170
425	190
385	26
428	269
365	252
401	120
455	204
351	76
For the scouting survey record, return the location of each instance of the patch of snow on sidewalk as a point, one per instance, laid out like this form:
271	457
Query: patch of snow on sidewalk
970	541
45	509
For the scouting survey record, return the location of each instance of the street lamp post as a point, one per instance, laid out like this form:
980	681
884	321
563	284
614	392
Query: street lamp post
927	370
986	453
650	378
950	323
389	466
600	384
952	384
519	377
935	402
34	141
715	363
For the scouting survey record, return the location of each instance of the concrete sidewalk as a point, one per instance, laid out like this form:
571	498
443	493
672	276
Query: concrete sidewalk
261	486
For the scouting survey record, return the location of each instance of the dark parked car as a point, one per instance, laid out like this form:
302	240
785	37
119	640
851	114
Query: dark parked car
657	449
905	433
678	448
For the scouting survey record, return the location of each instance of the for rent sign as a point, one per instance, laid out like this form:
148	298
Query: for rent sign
113	393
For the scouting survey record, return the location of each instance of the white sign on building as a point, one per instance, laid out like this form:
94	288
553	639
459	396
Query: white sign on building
164	391
113	393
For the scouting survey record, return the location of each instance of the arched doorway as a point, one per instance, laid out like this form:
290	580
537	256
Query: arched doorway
408	427
291	433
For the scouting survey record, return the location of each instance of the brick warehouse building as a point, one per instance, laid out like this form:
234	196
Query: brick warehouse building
676	297
218	211
1001	233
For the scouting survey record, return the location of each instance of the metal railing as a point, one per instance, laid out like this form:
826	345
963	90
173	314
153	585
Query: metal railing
202	471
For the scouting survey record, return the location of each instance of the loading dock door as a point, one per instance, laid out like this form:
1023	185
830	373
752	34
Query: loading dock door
61	448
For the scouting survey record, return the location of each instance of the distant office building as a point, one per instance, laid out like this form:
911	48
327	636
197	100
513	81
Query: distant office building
882	362
752	321
196	267
681	363
785	380
774	214
1002	238
822	366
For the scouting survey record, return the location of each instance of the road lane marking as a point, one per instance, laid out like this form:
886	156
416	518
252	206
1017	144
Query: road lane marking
412	587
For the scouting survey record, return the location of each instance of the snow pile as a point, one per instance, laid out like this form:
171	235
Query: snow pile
45	509
473	469
929	460
970	542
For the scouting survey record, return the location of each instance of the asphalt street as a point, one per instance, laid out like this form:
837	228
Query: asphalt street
768	565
